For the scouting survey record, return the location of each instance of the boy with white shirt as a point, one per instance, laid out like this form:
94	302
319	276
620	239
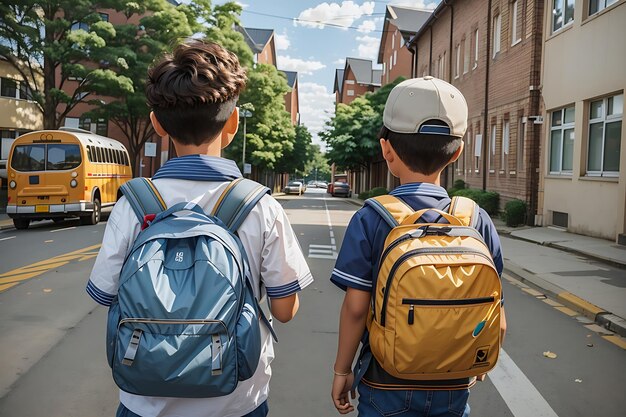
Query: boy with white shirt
193	94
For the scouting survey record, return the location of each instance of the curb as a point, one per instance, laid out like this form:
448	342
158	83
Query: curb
600	316
6	224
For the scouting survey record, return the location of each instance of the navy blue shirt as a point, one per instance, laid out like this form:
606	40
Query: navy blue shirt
363	242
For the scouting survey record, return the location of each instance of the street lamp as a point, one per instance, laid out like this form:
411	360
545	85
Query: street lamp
245	111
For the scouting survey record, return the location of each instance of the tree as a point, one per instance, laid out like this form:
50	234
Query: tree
140	44
298	157
61	40
318	164
270	133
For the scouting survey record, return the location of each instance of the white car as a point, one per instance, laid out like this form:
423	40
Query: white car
294	187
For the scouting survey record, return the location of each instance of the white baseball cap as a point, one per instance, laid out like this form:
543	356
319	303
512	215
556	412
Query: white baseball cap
415	101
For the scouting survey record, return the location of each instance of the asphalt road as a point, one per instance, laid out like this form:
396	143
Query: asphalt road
53	359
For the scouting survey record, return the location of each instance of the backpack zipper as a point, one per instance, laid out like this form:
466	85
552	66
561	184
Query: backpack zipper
431	302
401	259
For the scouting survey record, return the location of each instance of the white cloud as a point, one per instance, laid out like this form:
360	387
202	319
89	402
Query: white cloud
243	5
285	62
282	42
368	47
317	105
416	4
340	62
334	14
367	26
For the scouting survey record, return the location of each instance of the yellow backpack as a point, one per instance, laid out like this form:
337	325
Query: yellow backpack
436	306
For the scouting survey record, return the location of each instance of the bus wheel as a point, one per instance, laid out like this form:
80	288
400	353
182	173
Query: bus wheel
94	217
21	223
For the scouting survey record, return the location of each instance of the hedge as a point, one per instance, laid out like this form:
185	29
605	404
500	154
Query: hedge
515	212
487	200
375	192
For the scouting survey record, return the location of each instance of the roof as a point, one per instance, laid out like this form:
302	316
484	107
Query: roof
408	21
338	80
256	38
438	10
362	70
377	76
292	78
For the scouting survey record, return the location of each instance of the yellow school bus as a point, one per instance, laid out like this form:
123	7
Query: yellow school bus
54	174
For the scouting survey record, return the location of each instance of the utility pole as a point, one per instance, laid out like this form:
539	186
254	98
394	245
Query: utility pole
245	112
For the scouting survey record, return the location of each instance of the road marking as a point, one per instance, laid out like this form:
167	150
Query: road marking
61	230
7	238
15	276
519	394
325	251
616	340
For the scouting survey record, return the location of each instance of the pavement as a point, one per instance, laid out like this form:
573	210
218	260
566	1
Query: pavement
584	274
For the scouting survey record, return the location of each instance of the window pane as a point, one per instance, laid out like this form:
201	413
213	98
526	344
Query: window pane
63	157
596	111
9	88
557	15
615	105
612	146
29	158
595	147
568	149
593	6
556	118
555	151
569	115
569	12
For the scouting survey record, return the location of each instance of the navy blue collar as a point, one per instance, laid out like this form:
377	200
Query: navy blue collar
199	168
421	189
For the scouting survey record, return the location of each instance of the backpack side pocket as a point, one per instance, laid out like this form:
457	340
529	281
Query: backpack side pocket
248	336
113	320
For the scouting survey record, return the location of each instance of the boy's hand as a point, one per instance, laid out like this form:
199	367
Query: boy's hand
342	384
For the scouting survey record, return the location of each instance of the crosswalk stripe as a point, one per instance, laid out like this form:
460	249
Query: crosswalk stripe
519	394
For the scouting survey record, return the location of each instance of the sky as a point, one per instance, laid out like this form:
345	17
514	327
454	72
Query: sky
314	38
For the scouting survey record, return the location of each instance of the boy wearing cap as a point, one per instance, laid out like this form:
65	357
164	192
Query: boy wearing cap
424	122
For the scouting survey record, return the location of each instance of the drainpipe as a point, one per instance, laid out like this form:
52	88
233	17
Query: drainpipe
486	110
430	60
449	172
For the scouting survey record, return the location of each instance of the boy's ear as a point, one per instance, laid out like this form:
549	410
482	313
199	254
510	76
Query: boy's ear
230	129
157	126
387	150
457	154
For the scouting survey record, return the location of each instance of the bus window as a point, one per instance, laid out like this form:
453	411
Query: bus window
88	150
118	155
126	160
63	156
100	155
29	158
110	155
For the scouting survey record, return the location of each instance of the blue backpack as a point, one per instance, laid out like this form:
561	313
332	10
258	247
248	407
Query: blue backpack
185	321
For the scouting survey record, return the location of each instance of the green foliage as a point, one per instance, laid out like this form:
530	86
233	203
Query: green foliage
375	192
515	212
364	195
487	200
352	133
269	132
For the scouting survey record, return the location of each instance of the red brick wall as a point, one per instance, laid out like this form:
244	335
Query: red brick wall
402	65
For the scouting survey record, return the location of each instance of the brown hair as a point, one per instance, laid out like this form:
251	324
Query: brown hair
422	152
193	91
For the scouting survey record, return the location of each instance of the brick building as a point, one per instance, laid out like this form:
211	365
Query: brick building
491	51
262	44
583	168
292	103
401	24
355	79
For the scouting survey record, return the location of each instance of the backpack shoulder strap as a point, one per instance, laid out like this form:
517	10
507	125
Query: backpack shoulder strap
143	197
237	201
391	209
465	209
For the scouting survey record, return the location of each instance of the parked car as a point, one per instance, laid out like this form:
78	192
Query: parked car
294	187
322	184
341	189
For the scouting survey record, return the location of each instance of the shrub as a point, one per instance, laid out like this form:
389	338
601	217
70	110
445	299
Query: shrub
364	195
487	200
378	191
459	185
515	212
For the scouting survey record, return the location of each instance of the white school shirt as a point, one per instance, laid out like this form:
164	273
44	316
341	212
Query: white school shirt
276	261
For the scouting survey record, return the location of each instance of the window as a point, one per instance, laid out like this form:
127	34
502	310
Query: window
506	132
99	127
466	57
393	41
605	135
521	132
457	67
62	156
395	57
497	28
475	49
442	66
478	147
351	82
596	5
29	158
562	13
8	88
562	141
515	26
25	92
350	93
104	17
390	63
492	154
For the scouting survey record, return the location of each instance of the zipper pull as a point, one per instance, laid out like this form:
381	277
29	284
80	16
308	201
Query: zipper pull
411	314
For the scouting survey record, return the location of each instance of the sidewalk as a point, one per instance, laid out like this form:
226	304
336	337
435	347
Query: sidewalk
582	273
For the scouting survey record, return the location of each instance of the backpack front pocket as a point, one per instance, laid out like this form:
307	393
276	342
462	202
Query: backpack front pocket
446	338
175	358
